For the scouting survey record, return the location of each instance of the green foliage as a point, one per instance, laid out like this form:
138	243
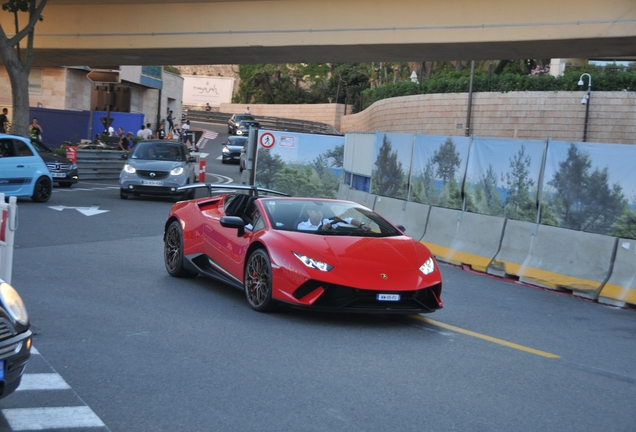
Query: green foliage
451	81
268	166
172	70
519	204
388	176
625	225
583	199
314	180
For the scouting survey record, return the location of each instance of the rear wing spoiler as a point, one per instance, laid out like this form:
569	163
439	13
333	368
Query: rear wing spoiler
216	188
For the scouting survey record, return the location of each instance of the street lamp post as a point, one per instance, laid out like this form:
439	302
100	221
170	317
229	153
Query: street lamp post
586	101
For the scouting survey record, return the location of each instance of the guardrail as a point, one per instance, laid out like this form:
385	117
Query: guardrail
272	123
99	164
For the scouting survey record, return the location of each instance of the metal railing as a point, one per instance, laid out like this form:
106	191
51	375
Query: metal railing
273	123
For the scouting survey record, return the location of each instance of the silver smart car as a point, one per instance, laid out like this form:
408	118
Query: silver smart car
158	168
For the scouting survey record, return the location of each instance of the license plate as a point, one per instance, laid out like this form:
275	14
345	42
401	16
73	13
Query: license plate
58	175
152	182
388	297
2	370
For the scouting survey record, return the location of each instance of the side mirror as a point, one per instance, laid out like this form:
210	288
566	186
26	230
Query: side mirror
233	222
401	228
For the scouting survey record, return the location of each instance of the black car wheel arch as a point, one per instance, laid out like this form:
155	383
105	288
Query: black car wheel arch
258	281
42	189
173	252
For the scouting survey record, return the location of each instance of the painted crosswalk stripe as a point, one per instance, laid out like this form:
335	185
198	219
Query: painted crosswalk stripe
21	419
42	381
34	351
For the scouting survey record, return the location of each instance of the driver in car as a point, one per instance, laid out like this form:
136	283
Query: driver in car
317	222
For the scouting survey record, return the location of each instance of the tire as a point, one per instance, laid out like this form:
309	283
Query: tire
258	281
173	252
42	190
65	184
122	195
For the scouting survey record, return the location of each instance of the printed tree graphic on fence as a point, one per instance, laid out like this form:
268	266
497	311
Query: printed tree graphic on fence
583	199
443	165
388	176
313	180
519	204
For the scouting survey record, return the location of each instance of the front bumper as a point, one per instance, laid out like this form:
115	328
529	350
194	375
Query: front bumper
132	185
332	297
14	354
65	176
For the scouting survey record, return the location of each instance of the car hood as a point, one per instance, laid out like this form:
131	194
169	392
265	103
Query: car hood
155	165
52	157
361	253
390	263
234	148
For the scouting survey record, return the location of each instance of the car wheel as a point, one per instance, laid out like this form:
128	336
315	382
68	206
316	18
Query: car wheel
42	190
66	184
258	281
122	195
173	252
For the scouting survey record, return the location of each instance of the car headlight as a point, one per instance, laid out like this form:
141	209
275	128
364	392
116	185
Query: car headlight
428	267
312	263
225	150
129	169
13	303
177	171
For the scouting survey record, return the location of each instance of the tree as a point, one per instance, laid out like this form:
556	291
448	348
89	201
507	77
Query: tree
447	160
519	205
19	71
488	183
388	177
267	167
584	200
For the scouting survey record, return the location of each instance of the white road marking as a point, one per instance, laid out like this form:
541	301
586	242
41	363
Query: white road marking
42	381
21	419
34	351
86	211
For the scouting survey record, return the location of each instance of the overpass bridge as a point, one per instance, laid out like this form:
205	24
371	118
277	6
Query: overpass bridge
102	33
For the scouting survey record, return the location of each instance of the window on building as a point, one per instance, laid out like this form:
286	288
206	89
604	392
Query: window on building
136	100
35	81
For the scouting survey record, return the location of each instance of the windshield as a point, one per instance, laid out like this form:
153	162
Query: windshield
40	147
326	217
168	151
244	117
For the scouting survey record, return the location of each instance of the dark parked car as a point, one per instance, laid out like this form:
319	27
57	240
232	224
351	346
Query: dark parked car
63	171
239	124
15	339
232	149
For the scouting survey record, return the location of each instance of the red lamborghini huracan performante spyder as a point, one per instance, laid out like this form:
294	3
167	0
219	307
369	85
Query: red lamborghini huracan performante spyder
303	252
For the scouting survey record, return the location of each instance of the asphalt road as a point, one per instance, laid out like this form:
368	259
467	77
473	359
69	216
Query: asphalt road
147	352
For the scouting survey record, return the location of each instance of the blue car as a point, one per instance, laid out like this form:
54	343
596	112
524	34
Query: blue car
23	173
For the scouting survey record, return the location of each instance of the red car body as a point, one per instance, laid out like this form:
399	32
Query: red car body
345	269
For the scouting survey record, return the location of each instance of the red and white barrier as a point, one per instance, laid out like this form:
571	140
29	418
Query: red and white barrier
202	171
8	227
71	153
